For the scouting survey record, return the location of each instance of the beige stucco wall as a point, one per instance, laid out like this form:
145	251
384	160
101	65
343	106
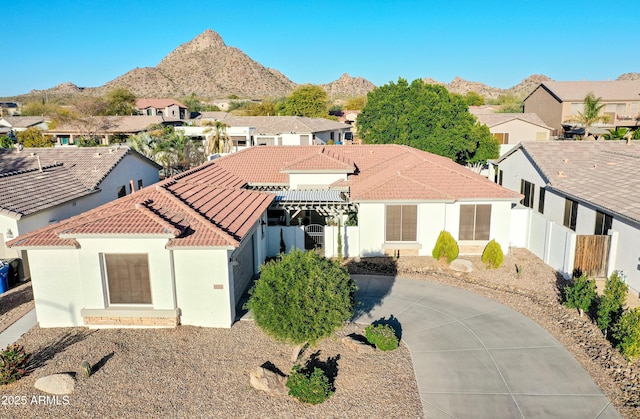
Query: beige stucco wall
546	106
520	131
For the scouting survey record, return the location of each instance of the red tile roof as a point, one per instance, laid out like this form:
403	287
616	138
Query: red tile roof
188	210
210	206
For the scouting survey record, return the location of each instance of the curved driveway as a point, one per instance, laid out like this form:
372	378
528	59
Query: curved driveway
476	358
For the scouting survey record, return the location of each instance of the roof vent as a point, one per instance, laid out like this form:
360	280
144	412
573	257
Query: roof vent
98	154
565	161
561	174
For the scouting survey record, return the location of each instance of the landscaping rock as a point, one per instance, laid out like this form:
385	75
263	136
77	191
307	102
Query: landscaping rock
461	265
56	384
357	346
268	381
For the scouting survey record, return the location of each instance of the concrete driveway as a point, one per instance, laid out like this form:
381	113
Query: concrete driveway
476	358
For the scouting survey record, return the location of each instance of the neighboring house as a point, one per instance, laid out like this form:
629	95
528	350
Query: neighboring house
284	130
555	102
185	251
40	186
22	123
106	128
169	108
8	108
579	195
512	128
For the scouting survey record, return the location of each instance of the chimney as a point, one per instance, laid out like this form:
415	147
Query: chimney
132	186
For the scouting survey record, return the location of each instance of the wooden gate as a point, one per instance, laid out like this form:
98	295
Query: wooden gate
592	254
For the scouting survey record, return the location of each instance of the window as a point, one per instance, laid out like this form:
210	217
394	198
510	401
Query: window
139	184
541	200
500	175
603	223
122	191
502	137
402	223
527	189
475	222
128	278
570	214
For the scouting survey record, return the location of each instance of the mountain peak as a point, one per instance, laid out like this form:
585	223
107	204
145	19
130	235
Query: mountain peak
206	40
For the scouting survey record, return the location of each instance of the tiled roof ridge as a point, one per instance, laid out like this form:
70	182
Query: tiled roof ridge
33	169
145	208
312	153
91	216
209	224
191	171
333	153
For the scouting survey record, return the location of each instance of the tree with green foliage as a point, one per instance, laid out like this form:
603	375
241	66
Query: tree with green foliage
6	141
302	297
308	100
612	302
590	115
192	103
580	294
493	256
627	334
474	99
33	137
217	139
427	117
120	101
355	103
617	133
273	107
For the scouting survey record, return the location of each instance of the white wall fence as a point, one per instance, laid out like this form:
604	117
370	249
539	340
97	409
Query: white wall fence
293	237
350	241
553	243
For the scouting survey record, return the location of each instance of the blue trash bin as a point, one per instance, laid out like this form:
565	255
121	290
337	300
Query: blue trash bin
4	277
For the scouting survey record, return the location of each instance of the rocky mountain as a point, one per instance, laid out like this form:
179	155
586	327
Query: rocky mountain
347	86
521	90
629	76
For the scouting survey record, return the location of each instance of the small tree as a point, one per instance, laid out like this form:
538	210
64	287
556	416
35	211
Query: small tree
627	334
612	302
339	241
33	137
581	293
492	256
302	297
446	247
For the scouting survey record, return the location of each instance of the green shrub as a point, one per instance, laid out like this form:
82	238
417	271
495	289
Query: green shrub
85	369
382	336
580	294
612	302
311	388
302	297
627	334
446	247
492	255
13	363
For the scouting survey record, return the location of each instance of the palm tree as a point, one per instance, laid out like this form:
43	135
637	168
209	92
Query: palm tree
591	114
617	134
217	139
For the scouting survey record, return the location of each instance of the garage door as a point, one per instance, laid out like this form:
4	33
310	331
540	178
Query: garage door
243	269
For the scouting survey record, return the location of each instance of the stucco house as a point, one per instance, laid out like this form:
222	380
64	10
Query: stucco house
40	186
185	250
169	108
582	204
21	123
556	101
106	129
512	128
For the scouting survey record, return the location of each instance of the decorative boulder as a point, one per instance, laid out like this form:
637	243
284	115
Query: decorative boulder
56	384
461	265
357	346
268	381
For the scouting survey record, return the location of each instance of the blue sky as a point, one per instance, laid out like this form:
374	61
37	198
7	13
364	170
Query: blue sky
47	42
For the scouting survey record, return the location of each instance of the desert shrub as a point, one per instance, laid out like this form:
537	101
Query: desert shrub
492	255
13	363
581	293
382	336
308	387
612	302
627	334
302	297
446	247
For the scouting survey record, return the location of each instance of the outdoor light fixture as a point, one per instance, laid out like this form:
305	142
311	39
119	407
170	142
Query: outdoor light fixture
9	233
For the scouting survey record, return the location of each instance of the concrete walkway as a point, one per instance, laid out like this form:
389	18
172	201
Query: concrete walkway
476	358
17	329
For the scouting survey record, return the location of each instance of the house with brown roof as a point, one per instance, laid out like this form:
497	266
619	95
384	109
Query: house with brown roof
169	108
22	123
556	101
582	204
185	250
105	129
512	128
40	186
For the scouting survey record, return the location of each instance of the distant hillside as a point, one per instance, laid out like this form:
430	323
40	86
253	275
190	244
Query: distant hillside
347	86
462	87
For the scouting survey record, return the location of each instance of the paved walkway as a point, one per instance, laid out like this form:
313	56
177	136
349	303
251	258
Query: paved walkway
17	329
476	358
